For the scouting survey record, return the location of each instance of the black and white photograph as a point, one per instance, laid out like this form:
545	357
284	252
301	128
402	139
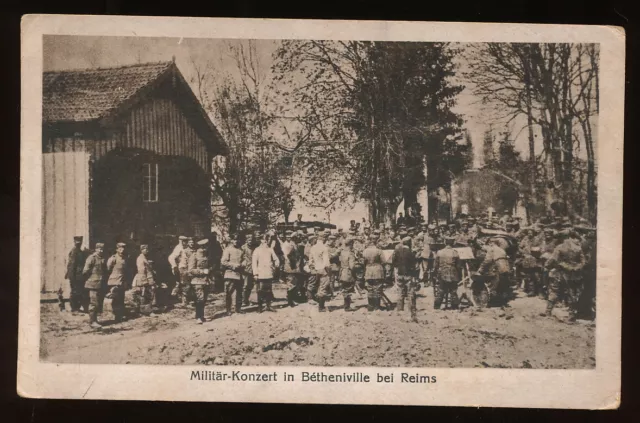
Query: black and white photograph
333	203
320	203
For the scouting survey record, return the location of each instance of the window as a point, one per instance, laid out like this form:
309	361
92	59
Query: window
150	183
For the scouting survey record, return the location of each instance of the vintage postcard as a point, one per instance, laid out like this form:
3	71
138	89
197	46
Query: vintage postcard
337	212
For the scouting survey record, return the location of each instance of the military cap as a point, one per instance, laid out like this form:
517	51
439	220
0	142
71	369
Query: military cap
182	238
77	238
99	245
143	246
203	242
402	233
431	226
376	232
367	226
332	236
424	224
339	230
449	239
121	244
406	239
288	233
349	241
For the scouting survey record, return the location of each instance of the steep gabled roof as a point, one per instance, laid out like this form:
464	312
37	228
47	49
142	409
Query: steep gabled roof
98	94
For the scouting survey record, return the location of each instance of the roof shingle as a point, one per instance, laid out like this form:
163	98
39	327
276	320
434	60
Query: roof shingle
89	94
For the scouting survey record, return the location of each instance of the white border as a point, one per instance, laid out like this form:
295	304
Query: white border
594	389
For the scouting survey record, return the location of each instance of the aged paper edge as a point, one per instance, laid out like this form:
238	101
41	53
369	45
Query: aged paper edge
587	389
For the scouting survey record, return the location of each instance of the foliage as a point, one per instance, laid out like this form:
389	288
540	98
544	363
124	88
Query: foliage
369	116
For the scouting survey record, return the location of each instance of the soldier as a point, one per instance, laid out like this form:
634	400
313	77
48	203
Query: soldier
75	265
565	272
312	280
94	274
214	249
320	266
531	270
174	262
404	262
116	266
447	269
233	262
291	268
247	248
184	288
347	272
374	274
496	265
464	238
334	259
264	262
144	283
200	270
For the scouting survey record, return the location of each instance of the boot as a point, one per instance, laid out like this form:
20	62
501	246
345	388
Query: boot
269	306
290	299
321	306
400	305
228	305
260	301
371	304
310	298
347	304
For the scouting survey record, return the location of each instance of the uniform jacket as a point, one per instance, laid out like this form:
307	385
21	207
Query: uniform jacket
94	272
291	256
199	267
117	267
373	263
145	274
347	265
232	260
248	258
447	265
495	262
426	246
75	263
524	247
463	238
183	259
568	257
334	259
319	258
264	262
404	261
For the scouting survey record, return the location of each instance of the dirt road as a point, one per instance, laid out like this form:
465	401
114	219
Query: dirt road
515	338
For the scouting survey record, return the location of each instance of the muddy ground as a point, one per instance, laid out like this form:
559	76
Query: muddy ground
513	338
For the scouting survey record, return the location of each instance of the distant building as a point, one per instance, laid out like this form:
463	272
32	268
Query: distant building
127	155
480	190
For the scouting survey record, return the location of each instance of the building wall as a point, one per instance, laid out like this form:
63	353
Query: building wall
66	212
71	151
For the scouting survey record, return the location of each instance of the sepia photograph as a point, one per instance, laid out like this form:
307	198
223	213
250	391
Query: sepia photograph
319	203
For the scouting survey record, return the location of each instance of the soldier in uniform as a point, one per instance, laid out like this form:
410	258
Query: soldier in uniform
264	263
174	262
232	262
247	248
464	238
312	280
347	272
144	283
75	265
117	267
95	274
374	274
200	270
447	269
531	270
404	262
565	272
184	288
496	265
334	259
320	267
291	256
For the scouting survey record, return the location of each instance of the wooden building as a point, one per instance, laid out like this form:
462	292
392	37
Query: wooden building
127	155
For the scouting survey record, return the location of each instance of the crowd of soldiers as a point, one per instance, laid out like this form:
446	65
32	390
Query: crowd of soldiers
553	258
